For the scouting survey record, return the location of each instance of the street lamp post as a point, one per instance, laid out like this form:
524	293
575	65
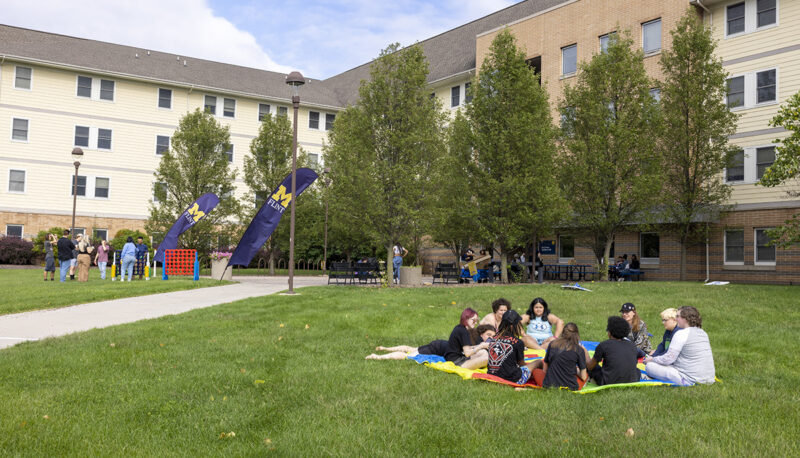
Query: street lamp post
77	154
327	182
295	79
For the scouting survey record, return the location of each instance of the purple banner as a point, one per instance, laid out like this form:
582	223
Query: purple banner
193	213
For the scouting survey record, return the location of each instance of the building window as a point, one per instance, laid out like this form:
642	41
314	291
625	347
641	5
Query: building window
103	138
84	87
765	86
210	104
82	136
159	191
655	93
283	111
16	181
455	96
734	246
569	60
650	246
78	231
764	158
101	187
313	120
736	92
735	170
467	92
19	129
165	98
329	118
22	77
566	246
651	36
14	230
162	144
229	154
229	108
99	234
81	185
106	90
604	40
735	20
263	111
766	13
765	253
313	159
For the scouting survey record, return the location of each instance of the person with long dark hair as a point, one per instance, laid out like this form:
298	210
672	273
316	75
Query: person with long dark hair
482	333
638	333
507	352
564	364
540	324
689	359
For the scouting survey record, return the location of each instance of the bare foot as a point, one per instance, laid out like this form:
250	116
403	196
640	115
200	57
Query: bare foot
380	348
372	356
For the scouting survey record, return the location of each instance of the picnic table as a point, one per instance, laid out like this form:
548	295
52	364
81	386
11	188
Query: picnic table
566	272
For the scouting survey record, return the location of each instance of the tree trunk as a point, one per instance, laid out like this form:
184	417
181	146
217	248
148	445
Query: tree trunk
606	254
389	266
503	265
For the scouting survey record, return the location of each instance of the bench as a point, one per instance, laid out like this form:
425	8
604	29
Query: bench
446	271
367	272
341	273
631	275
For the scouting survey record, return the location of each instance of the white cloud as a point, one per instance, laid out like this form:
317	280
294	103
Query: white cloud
184	27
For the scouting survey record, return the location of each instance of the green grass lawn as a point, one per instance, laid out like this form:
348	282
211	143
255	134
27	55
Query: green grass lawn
24	289
287	375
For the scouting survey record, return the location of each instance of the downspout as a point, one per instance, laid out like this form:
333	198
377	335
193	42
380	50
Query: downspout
707	261
710	14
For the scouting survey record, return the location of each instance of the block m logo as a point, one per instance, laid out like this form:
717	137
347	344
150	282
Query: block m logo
195	212
280	195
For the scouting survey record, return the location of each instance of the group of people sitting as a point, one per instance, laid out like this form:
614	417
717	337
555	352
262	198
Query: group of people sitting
498	342
623	268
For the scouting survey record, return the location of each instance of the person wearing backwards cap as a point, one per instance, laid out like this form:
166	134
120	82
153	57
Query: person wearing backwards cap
507	352
638	335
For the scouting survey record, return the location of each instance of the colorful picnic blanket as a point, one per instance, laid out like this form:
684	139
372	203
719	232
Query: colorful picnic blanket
439	363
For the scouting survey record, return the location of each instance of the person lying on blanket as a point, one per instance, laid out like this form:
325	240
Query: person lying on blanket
564	357
499	307
540	324
618	355
689	359
480	334
507	353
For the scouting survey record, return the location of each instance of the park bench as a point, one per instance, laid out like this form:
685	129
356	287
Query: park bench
341	273
367	272
633	276
446	271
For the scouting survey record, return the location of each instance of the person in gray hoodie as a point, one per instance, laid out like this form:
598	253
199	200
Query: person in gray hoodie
689	359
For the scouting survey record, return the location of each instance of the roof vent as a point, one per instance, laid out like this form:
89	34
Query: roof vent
178	58
136	55
184	63
148	53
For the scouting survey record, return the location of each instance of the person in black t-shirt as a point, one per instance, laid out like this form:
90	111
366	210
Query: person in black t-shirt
485	333
507	352
619	357
565	358
65	247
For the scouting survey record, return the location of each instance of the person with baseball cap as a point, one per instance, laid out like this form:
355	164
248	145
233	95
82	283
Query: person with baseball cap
638	333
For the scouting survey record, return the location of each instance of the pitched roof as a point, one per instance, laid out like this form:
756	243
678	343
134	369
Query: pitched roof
449	53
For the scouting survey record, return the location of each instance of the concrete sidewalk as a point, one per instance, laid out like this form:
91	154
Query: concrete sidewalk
40	324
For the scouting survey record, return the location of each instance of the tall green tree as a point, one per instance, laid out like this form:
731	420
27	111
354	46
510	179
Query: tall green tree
697	124
195	164
454	216
786	168
610	131
269	162
382	150
512	174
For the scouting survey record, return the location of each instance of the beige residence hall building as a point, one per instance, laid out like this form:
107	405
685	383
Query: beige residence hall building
121	105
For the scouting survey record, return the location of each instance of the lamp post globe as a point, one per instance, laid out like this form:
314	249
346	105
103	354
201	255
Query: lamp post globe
295	80
77	155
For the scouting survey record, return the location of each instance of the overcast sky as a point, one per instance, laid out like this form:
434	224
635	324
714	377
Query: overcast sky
321	38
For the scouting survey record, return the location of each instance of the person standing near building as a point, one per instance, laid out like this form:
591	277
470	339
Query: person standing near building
101	258
84	259
65	247
49	259
399	253
128	256
73	262
141	255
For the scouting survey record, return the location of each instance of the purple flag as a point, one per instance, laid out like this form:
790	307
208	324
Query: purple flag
267	218
193	213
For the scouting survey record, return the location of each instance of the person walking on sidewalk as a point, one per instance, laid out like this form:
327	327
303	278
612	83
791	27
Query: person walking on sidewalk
65	247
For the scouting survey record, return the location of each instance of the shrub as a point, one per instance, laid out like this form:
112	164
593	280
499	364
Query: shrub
15	251
38	241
